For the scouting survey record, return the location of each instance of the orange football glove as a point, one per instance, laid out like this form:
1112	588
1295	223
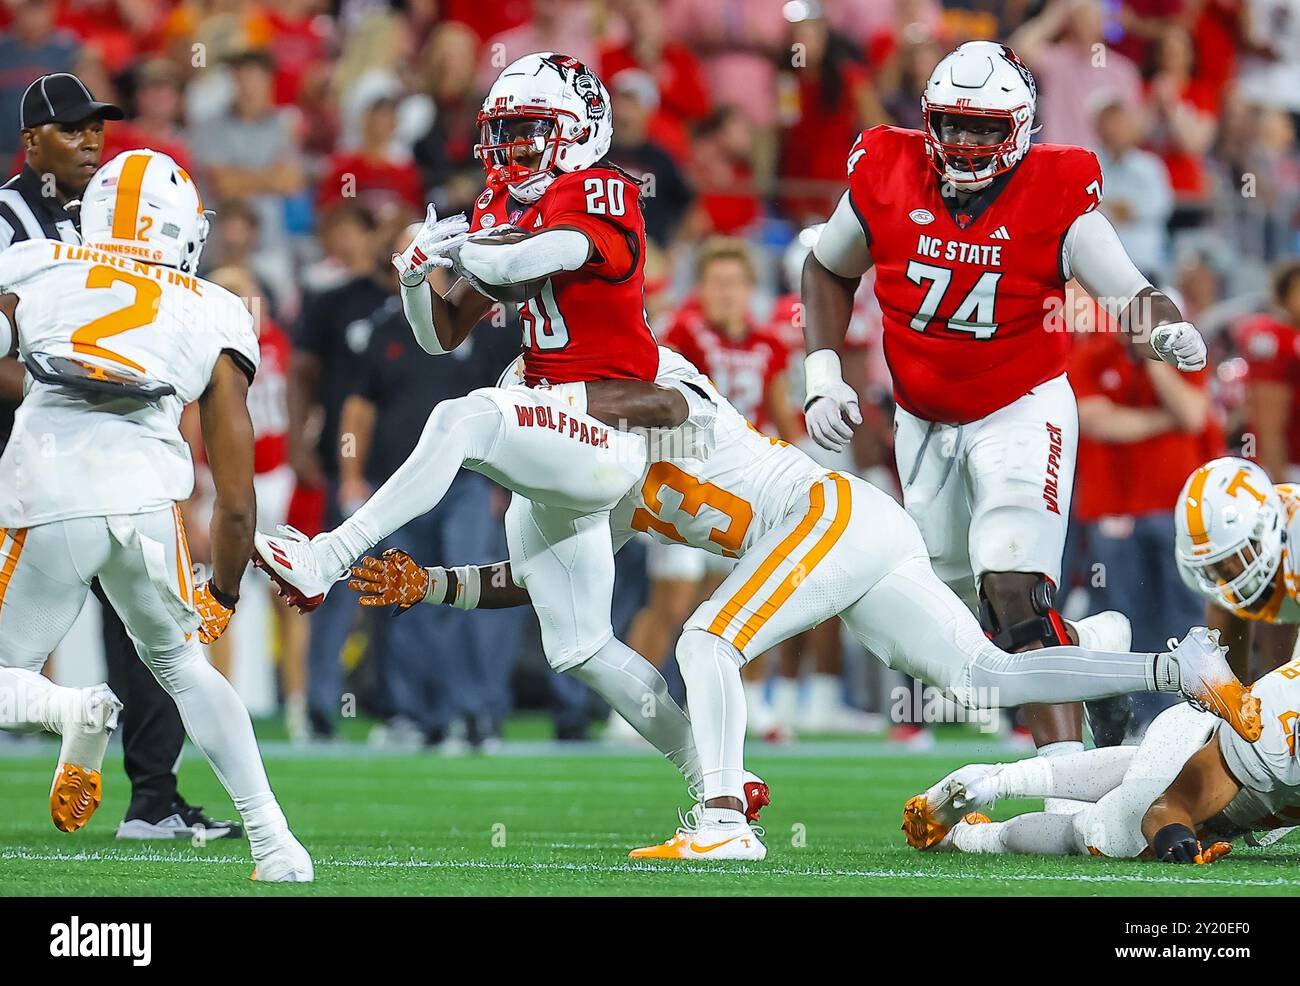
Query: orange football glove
396	579
215	610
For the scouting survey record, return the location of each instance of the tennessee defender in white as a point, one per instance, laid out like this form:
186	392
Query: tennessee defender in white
811	545
117	336
1235	545
1190	788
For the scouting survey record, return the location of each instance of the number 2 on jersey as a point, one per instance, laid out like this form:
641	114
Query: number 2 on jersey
976	312
142	311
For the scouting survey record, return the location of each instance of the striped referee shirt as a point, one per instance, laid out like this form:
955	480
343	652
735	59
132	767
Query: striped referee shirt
27	214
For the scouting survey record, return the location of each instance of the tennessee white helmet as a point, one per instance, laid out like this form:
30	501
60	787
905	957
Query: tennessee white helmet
984	79
1229	532
142	204
546	104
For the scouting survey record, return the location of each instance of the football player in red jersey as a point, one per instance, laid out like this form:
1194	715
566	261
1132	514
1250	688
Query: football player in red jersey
573	258
974	233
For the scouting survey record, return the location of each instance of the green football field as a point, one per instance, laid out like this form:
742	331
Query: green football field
543	819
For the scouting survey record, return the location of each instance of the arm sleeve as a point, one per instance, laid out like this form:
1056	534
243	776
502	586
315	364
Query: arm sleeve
241	341
547	253
613	249
418	307
842	246
1091	251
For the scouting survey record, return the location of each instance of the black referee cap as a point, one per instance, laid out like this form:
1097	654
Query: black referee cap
63	98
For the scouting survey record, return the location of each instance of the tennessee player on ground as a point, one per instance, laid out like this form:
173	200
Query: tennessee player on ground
974	234
117	336
573	263
811	544
1235	533
1181	796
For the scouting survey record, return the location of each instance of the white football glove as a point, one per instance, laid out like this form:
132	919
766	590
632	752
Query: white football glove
829	401
1179	343
430	247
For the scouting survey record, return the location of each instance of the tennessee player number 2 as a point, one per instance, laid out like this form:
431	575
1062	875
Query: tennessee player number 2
975	314
142	311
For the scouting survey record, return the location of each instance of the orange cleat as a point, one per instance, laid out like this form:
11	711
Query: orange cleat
928	817
1206	680
921	826
74	797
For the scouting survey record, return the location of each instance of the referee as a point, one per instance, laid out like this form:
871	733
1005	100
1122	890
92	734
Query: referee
63	139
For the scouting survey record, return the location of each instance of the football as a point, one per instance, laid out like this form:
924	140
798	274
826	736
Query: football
513	294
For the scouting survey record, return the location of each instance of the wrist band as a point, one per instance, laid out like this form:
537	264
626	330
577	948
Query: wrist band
438	583
821	372
227	601
469	587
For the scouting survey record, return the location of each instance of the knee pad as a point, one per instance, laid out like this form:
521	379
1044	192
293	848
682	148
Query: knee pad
616	657
696	647
169	665
1037	622
1016	534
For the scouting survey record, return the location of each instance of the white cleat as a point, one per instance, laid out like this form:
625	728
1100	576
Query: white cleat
286	862
708	841
1206	680
295	565
928	817
1106	631
78	785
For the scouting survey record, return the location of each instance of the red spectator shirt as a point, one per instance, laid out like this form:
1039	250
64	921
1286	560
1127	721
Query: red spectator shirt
967	296
298	45
683	92
1130	477
743	370
587	324
267	401
1272	351
125	135
370	180
815	135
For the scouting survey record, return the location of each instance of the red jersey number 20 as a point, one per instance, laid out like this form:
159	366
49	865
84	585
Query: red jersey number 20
543	324
604	196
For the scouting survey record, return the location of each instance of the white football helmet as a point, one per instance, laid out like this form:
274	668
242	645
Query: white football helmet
1229	532
142	204
980	78
548	104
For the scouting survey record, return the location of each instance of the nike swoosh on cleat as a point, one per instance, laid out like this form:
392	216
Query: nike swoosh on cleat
696	847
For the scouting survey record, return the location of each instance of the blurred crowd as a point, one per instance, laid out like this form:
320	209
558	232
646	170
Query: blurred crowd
319	130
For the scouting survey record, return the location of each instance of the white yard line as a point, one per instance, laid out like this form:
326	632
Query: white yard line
815	872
